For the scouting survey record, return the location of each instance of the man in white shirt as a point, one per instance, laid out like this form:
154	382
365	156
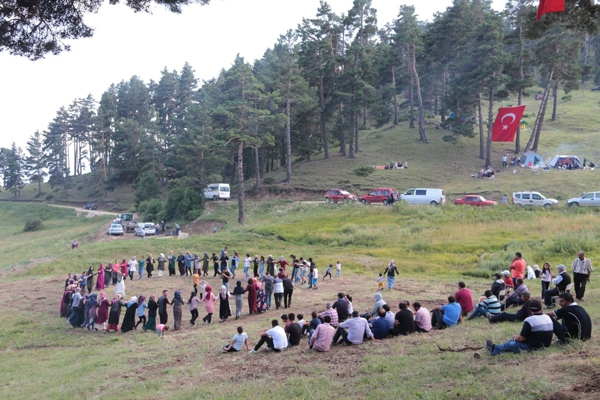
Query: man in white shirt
582	269
275	338
358	328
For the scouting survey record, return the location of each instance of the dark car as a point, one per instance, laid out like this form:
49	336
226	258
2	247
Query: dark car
596	89
90	206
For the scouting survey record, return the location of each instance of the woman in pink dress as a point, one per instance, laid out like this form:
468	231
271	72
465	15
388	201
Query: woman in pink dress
209	303
124	267
100	280
103	310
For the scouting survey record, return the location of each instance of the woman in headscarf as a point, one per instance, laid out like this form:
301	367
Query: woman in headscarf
224	310
149	265
129	319
171	259
116	269
251	290
103	311
161	264
120	286
100	281
391	272
141	263
141	311
114	314
193	302
124	267
271	265
261	263
108	271
209	303
65	303
90	279
196	264
92	306
181	264
133	265
152	307
205	261
215	259
178	302
86	309
238	292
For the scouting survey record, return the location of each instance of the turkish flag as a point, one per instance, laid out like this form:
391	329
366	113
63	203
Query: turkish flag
550	6
506	124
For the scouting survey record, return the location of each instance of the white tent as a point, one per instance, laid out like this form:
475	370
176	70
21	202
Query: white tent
559	161
531	159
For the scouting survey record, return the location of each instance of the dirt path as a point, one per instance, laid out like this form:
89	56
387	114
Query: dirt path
89	213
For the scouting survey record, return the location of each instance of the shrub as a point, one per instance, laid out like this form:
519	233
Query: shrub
49	197
32	225
152	210
363	171
269	180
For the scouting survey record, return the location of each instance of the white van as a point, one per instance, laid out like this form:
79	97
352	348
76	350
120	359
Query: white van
432	197
216	191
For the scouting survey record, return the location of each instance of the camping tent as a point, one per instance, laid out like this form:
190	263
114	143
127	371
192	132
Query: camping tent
559	161
531	159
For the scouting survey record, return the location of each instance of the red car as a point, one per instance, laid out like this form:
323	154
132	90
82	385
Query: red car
336	195
379	195
475	200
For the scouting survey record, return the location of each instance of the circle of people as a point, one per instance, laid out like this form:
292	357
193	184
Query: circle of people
339	323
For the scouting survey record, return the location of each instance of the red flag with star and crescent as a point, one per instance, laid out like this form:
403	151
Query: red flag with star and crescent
506	124
550	6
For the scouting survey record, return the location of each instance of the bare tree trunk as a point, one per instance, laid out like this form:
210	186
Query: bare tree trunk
356	131
395	96
351	120
257	161
342	132
323	125
411	101
488	156
481	134
539	131
538	121
521	78
241	211
443	97
288	135
586	54
415	75
555	102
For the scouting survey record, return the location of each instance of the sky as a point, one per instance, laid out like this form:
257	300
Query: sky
126	44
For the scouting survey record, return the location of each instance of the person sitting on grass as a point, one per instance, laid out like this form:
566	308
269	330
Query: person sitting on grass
332	313
523	312
490	305
380	326
404	323
515	297
536	334
498	286
379	302
562	280
239	339
507	279
275	338
446	315
464	297
576	323
293	331
321	337
358	328
422	318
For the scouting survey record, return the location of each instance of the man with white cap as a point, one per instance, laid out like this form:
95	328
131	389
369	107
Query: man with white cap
562	280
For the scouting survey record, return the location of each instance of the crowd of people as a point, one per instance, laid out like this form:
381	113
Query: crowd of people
338	323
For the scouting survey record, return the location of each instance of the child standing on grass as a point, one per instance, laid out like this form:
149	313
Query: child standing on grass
380	282
338	268
315	278
161	329
193	302
196	281
328	272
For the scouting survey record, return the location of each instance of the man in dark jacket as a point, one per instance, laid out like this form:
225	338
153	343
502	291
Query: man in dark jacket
523	313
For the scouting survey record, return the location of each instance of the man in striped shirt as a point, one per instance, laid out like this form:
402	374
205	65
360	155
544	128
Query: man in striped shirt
490	305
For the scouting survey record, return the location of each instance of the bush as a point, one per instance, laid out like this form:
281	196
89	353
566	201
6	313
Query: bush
32	225
152	210
269	180
49	197
363	171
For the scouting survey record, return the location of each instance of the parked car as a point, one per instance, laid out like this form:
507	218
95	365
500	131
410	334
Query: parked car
596	89
475	200
216	191
379	195
429	196
532	199
148	227
336	195
115	229
591	199
90	206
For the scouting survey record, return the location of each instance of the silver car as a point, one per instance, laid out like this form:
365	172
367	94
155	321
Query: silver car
530	199
591	199
115	229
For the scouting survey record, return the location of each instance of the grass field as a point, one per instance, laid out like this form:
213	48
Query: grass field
434	248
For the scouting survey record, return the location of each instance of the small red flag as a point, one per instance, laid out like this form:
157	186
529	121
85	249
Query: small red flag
550	6
506	124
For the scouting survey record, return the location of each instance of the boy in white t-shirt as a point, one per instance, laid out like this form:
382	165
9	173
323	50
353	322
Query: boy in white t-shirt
315	278
275	338
338	268
239	339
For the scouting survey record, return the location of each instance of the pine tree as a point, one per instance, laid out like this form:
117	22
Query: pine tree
14	171
35	163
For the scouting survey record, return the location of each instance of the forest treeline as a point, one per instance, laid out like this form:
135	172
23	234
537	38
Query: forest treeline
310	95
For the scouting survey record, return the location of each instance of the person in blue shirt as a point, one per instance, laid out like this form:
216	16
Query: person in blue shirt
447	315
380	327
